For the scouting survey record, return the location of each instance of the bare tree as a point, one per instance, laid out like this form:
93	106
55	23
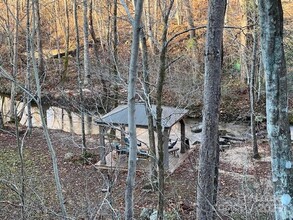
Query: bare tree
159	96
271	22
66	30
252	86
81	98
209	151
179	12
115	50
41	65
20	146
148	23
190	18
1	121
28	66
86	58
148	105
243	40
44	123
96	53
15	61
130	182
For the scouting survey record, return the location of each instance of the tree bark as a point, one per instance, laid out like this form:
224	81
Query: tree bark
44	125
1	121
81	98
28	67
148	105
190	19
253	69
160	128
271	20
115	51
41	67
86	54
179	12
130	182
209	151
15	63
96	52
66	31
243	41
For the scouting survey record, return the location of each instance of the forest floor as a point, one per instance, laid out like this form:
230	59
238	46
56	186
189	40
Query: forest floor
90	193
244	183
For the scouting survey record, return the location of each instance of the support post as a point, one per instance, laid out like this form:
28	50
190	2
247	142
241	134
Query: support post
184	145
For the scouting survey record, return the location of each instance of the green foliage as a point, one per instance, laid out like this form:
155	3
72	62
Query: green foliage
237	66
87	155
191	43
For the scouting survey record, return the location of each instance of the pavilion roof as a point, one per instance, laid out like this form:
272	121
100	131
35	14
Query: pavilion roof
119	116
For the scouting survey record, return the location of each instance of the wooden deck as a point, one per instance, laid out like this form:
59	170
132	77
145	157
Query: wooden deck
120	162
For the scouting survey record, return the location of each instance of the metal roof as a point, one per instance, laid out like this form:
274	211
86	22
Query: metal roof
119	116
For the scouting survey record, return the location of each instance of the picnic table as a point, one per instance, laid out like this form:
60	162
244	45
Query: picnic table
174	151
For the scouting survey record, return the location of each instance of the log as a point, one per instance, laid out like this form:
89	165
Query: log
233	138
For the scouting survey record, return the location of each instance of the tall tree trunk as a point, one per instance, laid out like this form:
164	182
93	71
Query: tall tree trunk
57	36
66	31
15	62
271	20
1	121
148	23
130	182
41	66
209	151
253	69
260	79
148	105
28	67
86	59
190	19
44	124
243	41
22	166
179	12
81	98
96	52
192	38
115	51
8	26
160	129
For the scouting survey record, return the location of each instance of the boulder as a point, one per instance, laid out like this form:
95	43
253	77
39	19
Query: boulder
68	156
146	213
196	129
167	215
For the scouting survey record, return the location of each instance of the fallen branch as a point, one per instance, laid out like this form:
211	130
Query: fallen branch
10	203
232	138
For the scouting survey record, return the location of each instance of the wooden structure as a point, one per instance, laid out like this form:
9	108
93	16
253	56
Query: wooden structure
118	119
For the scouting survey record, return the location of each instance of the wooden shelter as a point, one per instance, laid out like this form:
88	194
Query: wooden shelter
118	118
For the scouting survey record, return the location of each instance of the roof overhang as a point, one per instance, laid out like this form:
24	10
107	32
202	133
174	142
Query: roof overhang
119	116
